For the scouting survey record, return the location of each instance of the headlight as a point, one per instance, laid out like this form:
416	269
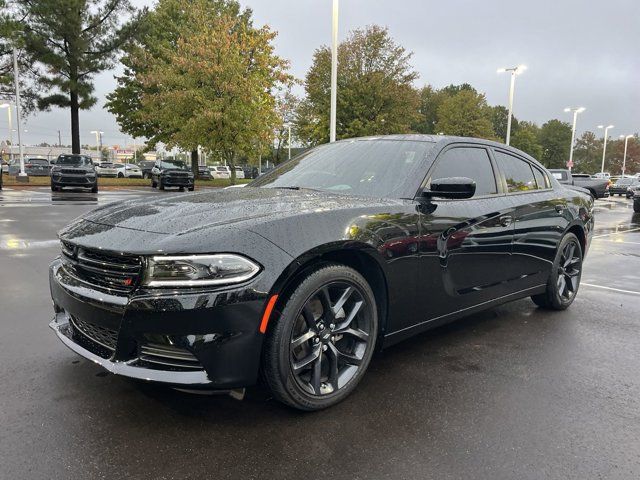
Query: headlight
199	270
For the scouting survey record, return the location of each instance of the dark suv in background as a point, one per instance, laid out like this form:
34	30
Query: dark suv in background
146	166
74	171
171	173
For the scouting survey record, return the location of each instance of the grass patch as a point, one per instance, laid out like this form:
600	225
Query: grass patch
114	182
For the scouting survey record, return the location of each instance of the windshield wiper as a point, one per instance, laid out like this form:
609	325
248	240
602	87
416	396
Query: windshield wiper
296	187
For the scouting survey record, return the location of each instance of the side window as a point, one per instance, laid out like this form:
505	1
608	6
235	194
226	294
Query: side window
517	172
467	162
541	179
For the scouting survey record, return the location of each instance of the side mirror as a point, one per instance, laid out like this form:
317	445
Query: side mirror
452	187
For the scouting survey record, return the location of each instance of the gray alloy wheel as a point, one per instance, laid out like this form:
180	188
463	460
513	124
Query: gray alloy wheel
564	280
319	348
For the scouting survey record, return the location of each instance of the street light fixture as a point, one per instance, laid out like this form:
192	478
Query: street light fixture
604	148
575	111
334	72
624	157
514	71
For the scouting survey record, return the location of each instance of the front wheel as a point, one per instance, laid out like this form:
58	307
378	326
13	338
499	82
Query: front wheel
319	347
636	205
94	189
564	280
120	175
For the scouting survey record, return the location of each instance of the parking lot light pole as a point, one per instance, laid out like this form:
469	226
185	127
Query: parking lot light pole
575	111
334	72
22	176
624	157
514	71
10	118
604	147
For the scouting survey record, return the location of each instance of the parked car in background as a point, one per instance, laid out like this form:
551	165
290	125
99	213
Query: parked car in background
204	173
74	171
221	171
146	166
250	171
597	187
171	173
624	186
606	175
37	167
239	172
128	170
107	169
286	279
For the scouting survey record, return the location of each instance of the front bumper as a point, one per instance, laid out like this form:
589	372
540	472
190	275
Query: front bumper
171	181
74	180
219	330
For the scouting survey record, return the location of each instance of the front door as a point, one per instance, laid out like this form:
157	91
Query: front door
465	245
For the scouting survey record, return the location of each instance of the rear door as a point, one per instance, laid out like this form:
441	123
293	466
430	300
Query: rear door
540	218
465	245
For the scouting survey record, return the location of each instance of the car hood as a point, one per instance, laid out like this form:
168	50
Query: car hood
182	214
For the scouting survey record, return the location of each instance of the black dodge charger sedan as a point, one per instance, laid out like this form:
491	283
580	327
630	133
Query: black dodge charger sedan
300	276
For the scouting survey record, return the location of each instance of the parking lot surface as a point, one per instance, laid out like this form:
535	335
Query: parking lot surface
514	392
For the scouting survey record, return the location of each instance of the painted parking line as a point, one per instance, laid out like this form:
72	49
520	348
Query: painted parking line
617	241
609	288
616	233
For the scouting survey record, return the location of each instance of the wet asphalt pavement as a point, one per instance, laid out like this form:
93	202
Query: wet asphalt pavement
511	393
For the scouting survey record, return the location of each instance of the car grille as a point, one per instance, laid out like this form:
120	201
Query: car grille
178	174
105	337
109	270
72	171
163	356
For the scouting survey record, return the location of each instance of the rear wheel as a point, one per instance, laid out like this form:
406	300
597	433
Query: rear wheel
564	280
120	175
320	346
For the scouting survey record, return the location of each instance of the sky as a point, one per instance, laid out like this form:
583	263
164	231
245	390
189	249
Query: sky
578	53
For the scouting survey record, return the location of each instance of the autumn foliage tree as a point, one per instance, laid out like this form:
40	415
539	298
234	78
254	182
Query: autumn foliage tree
211	85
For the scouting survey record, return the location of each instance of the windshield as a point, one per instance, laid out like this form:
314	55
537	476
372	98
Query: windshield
173	164
376	168
73	160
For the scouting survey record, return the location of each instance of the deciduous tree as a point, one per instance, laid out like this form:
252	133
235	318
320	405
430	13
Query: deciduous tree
465	114
209	83
525	138
555	139
375	89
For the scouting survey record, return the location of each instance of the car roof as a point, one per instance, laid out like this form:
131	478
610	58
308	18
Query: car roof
443	140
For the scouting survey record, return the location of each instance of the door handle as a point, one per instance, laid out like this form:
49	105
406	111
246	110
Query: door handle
506	221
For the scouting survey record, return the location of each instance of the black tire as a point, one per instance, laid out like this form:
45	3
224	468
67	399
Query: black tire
94	189
182	189
297	340
120	175
54	188
636	205
191	189
153	184
160	184
564	281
